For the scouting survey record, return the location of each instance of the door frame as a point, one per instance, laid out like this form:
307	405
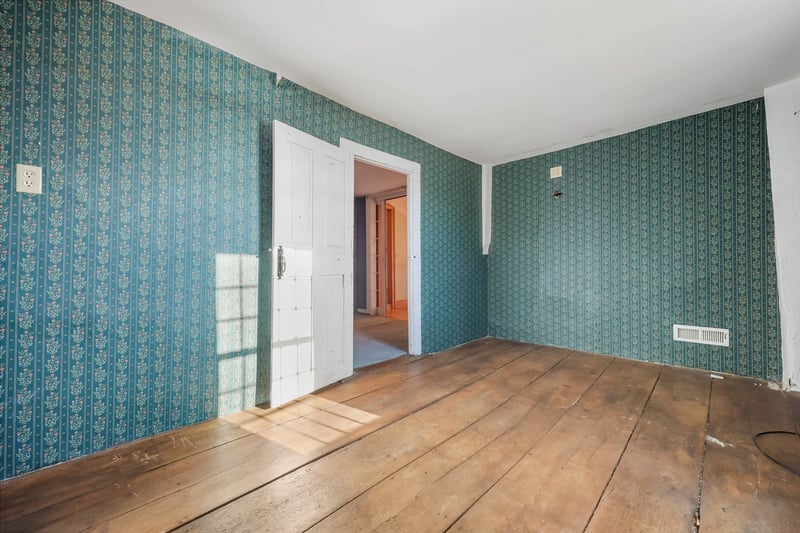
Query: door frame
412	170
372	203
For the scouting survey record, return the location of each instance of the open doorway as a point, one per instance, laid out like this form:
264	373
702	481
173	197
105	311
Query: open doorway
380	328
412	172
395	258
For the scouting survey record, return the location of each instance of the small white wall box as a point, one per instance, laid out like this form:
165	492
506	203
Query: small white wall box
556	172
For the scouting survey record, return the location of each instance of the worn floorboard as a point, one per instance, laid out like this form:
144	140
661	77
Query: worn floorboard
543	403
291	445
491	436
742	489
313	492
581	450
656	484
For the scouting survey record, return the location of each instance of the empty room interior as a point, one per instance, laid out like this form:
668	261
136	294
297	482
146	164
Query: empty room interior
399	266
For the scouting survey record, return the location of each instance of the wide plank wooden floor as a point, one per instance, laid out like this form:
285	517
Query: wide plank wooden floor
490	436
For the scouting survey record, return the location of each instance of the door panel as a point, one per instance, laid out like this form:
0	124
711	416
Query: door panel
329	324
335	219
312	324
301	184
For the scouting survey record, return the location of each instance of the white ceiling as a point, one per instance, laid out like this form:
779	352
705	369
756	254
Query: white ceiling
494	81
370	180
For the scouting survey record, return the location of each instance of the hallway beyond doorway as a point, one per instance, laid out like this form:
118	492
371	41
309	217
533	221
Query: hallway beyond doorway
398	314
377	339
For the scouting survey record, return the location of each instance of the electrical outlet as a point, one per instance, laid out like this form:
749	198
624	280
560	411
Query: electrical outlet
29	179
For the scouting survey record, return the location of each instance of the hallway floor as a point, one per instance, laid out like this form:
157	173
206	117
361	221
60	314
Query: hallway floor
377	339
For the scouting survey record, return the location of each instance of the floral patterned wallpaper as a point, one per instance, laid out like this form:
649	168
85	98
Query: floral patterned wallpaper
670	224
115	314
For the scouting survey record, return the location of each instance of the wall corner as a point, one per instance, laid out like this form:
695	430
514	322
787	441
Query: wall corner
486	206
782	103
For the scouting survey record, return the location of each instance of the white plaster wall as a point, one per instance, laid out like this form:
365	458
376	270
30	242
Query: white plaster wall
783	133
486	206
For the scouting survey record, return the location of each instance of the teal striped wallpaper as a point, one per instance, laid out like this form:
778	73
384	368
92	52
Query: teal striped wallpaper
670	224
154	146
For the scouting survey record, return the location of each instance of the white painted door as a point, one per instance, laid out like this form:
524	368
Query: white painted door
312	264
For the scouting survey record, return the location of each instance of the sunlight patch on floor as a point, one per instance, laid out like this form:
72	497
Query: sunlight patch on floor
303	426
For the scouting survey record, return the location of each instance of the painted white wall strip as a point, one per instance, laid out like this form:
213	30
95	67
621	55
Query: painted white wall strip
486	206
783	134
